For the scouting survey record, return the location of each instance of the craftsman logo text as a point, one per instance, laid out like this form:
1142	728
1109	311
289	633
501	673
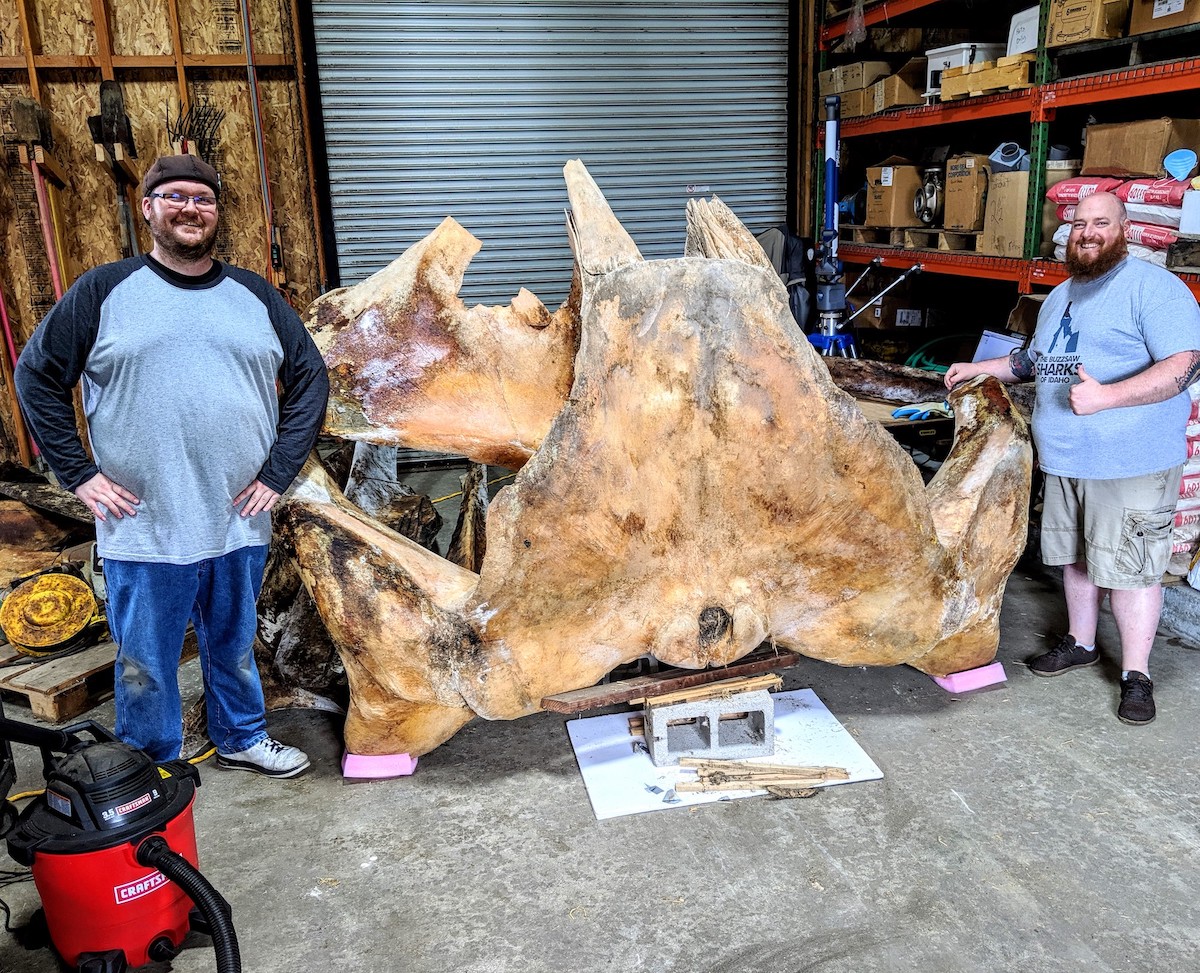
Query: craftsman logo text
134	804
143	886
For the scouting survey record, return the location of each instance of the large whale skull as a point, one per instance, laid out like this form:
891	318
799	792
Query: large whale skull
704	489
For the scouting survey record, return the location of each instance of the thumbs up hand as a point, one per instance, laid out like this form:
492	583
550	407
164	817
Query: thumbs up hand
1088	396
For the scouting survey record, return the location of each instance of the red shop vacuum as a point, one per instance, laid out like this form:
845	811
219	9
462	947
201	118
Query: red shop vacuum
112	848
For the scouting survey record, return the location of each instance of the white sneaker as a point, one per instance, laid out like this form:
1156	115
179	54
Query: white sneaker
268	757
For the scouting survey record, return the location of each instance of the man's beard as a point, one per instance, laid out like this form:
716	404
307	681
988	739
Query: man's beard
163	235
1085	268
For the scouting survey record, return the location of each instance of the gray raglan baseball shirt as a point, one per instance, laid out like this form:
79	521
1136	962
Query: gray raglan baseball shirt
179	388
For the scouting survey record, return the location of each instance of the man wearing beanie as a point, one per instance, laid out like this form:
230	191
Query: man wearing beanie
178	356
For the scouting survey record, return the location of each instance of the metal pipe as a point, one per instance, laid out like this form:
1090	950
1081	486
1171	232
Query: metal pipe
833	105
914	269
875	262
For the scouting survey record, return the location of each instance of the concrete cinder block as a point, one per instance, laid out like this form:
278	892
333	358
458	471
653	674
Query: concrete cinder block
696	729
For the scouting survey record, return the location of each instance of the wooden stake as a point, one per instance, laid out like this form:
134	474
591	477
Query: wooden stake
25	16
726	687
177	54
741	775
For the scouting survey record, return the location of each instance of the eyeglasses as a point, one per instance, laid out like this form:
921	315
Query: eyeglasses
180	200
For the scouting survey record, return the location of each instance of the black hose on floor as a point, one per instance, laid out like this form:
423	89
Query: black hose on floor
154	852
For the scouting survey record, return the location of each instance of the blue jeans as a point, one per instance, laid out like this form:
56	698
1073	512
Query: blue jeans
149	607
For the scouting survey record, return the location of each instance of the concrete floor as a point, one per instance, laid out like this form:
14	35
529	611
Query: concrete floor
1021	828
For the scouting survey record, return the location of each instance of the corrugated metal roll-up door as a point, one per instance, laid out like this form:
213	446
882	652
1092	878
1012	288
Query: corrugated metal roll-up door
470	109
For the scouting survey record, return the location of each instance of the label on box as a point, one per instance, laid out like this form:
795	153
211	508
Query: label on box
908	317
885	176
970	163
1164	8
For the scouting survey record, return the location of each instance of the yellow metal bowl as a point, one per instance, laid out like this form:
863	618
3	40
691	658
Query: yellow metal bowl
47	612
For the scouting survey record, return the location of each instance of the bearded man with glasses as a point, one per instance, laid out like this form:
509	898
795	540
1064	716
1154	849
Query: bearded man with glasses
179	356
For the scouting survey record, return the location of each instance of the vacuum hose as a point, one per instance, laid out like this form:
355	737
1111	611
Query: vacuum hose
154	852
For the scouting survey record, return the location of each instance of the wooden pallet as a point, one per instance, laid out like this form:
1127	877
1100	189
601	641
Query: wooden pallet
873	236
947	241
988	77
60	689
920	239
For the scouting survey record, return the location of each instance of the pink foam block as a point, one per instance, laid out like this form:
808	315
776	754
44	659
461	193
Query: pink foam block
968	679
377	766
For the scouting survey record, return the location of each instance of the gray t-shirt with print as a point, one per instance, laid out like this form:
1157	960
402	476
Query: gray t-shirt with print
1116	327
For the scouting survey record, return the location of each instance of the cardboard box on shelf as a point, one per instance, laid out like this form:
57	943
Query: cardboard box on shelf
851	77
1133	149
1004	217
905	87
890	311
1022	319
1151	15
1074	21
855	103
1056	172
891	186
966	191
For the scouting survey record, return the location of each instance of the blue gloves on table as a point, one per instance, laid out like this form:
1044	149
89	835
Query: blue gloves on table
924	410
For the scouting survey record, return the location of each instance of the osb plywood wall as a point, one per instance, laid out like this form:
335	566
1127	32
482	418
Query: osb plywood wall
142	28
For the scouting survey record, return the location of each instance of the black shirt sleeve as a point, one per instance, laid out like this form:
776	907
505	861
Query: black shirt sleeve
304	386
50	367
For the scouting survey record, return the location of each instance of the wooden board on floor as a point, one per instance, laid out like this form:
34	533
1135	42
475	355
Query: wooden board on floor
669	680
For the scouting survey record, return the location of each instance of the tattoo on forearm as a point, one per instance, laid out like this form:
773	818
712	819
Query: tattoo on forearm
1192	373
1021	363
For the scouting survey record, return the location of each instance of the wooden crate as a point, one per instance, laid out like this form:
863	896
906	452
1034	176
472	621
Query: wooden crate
987	77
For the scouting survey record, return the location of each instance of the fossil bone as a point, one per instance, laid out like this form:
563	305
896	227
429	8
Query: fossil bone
482	381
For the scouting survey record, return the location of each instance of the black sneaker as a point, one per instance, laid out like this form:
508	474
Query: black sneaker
1137	700
1064	657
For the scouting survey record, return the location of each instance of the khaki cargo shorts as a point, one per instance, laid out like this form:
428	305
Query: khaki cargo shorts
1120	528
